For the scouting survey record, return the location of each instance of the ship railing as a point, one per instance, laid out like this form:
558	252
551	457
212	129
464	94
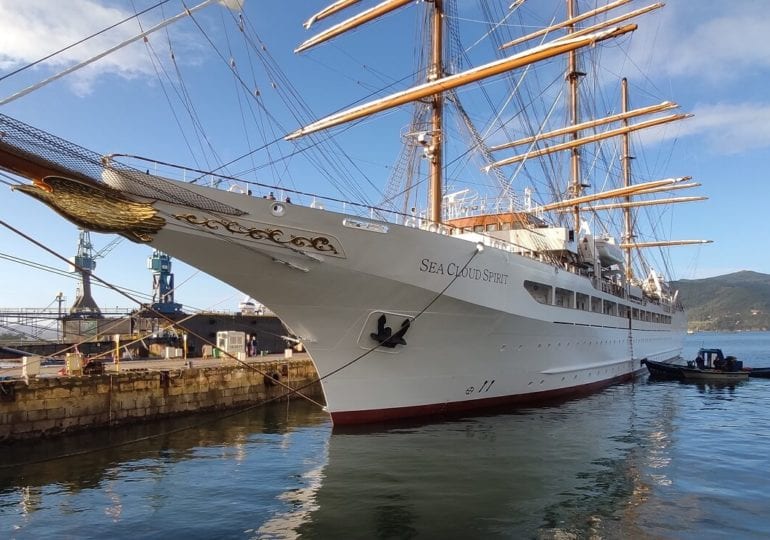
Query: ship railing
386	213
414	218
460	205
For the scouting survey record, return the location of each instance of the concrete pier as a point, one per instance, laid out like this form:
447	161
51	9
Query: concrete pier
51	404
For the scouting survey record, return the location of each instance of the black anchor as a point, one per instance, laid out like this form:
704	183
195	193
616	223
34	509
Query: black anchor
385	335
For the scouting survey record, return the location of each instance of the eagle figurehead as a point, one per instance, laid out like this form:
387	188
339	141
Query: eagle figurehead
96	207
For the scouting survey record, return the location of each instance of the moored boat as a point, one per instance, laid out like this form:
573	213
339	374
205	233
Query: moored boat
663	370
713	375
473	301
709	365
759	373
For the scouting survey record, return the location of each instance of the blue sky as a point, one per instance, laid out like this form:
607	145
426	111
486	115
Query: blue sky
709	56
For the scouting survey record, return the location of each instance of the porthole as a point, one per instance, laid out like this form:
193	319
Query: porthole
278	209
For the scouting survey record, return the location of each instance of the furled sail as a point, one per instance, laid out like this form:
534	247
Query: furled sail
353	22
666	105
328	11
443	84
584	140
619	192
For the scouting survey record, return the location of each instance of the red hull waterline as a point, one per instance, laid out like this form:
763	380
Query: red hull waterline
375	416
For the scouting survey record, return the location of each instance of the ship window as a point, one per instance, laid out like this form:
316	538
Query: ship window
539	291
492	227
565	298
610	308
596	304
478	228
635	313
505	226
582	301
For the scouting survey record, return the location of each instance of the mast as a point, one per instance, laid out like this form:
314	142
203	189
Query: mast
437	113
573	78
628	233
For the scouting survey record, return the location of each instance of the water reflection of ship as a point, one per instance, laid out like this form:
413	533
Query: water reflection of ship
547	471
88	457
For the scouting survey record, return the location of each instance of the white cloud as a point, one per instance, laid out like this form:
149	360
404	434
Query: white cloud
726	128
33	29
713	58
709	41
732	41
732	128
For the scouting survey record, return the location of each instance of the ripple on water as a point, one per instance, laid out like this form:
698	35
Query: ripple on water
641	460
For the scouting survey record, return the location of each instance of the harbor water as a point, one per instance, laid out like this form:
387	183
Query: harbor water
638	460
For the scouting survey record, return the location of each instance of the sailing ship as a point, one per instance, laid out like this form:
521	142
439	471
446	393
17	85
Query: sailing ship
475	301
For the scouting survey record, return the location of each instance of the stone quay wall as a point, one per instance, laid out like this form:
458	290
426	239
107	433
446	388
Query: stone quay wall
54	405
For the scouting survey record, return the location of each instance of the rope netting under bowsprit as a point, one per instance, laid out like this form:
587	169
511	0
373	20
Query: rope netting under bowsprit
59	156
40	148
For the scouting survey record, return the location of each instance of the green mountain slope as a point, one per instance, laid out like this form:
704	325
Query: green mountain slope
739	301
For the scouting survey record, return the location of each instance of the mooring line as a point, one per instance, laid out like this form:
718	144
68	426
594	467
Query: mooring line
291	391
478	249
161	315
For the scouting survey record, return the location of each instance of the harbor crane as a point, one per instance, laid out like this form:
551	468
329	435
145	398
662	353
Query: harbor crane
84	263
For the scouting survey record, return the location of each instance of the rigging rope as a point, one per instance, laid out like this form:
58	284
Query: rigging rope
129	297
291	391
32	64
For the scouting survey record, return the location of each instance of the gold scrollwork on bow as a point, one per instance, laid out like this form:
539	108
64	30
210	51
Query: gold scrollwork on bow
319	243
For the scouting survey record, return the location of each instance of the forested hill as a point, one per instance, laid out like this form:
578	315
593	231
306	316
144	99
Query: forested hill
739	301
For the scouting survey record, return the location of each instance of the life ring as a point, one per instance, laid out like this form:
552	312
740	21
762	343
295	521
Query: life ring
271	379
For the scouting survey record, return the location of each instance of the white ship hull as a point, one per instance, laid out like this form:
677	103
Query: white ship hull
402	321
483	341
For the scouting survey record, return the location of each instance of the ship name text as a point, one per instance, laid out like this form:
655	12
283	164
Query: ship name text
457	270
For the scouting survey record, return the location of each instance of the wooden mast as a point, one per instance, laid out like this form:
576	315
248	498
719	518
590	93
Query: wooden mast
628	234
573	77
436	150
